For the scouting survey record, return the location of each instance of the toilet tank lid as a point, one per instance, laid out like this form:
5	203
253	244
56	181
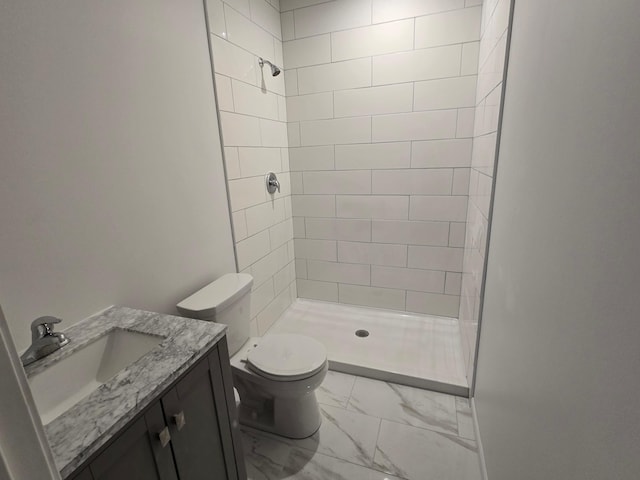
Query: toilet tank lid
217	296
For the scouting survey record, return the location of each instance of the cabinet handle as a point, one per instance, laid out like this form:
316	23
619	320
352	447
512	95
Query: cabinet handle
164	436
179	420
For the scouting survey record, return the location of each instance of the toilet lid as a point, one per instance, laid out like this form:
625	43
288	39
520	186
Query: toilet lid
287	356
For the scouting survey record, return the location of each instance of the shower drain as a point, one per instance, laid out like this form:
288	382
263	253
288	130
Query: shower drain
362	333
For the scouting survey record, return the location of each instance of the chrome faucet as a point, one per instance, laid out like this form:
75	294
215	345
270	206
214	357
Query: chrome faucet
44	340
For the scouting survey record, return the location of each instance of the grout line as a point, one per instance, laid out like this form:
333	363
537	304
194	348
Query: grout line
353	386
453	180
458	418
251	20
371	57
413	44
375	449
333	112
368	87
293	16
330	46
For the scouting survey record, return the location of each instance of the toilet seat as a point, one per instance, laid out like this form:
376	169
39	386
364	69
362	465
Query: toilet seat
287	357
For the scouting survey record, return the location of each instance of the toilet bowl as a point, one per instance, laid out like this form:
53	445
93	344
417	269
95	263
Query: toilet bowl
276	375
274	395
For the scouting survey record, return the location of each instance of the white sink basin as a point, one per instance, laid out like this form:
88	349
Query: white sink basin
68	381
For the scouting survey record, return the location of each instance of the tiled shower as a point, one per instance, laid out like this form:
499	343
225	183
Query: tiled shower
380	150
382	131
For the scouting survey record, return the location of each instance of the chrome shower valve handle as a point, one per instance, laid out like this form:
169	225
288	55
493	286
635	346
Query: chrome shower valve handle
272	183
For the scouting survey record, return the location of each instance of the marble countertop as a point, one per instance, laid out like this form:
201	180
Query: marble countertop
79	432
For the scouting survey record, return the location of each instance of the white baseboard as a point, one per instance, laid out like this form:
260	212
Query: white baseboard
476	428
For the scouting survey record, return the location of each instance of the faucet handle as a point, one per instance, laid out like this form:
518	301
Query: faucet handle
43	326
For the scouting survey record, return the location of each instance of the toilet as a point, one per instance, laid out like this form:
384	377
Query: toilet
276	375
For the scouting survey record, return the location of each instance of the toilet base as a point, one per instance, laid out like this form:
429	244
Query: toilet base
288	417
289	409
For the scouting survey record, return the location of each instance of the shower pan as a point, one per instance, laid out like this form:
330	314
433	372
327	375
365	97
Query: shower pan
417	350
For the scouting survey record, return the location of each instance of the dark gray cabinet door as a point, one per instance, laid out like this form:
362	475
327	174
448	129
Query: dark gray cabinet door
191	412
135	453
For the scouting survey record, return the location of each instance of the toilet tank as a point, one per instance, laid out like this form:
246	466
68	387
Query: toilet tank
226	300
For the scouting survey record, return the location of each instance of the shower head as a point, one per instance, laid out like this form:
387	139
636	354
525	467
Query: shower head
275	70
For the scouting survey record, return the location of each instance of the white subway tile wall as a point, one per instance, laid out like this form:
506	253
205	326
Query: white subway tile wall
381	100
489	56
392	111
253	113
384	10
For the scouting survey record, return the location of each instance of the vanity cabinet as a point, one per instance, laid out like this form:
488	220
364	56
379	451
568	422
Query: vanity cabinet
189	433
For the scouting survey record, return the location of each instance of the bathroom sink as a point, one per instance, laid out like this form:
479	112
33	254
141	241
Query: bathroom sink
66	382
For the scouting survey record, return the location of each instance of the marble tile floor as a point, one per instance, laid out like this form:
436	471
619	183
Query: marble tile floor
418	350
373	430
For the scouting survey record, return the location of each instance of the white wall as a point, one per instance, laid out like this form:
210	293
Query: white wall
380	103
111	184
493	46
557	380
253	117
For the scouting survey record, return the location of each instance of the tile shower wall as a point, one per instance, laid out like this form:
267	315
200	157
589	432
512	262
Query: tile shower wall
253	119
380	104
493	44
